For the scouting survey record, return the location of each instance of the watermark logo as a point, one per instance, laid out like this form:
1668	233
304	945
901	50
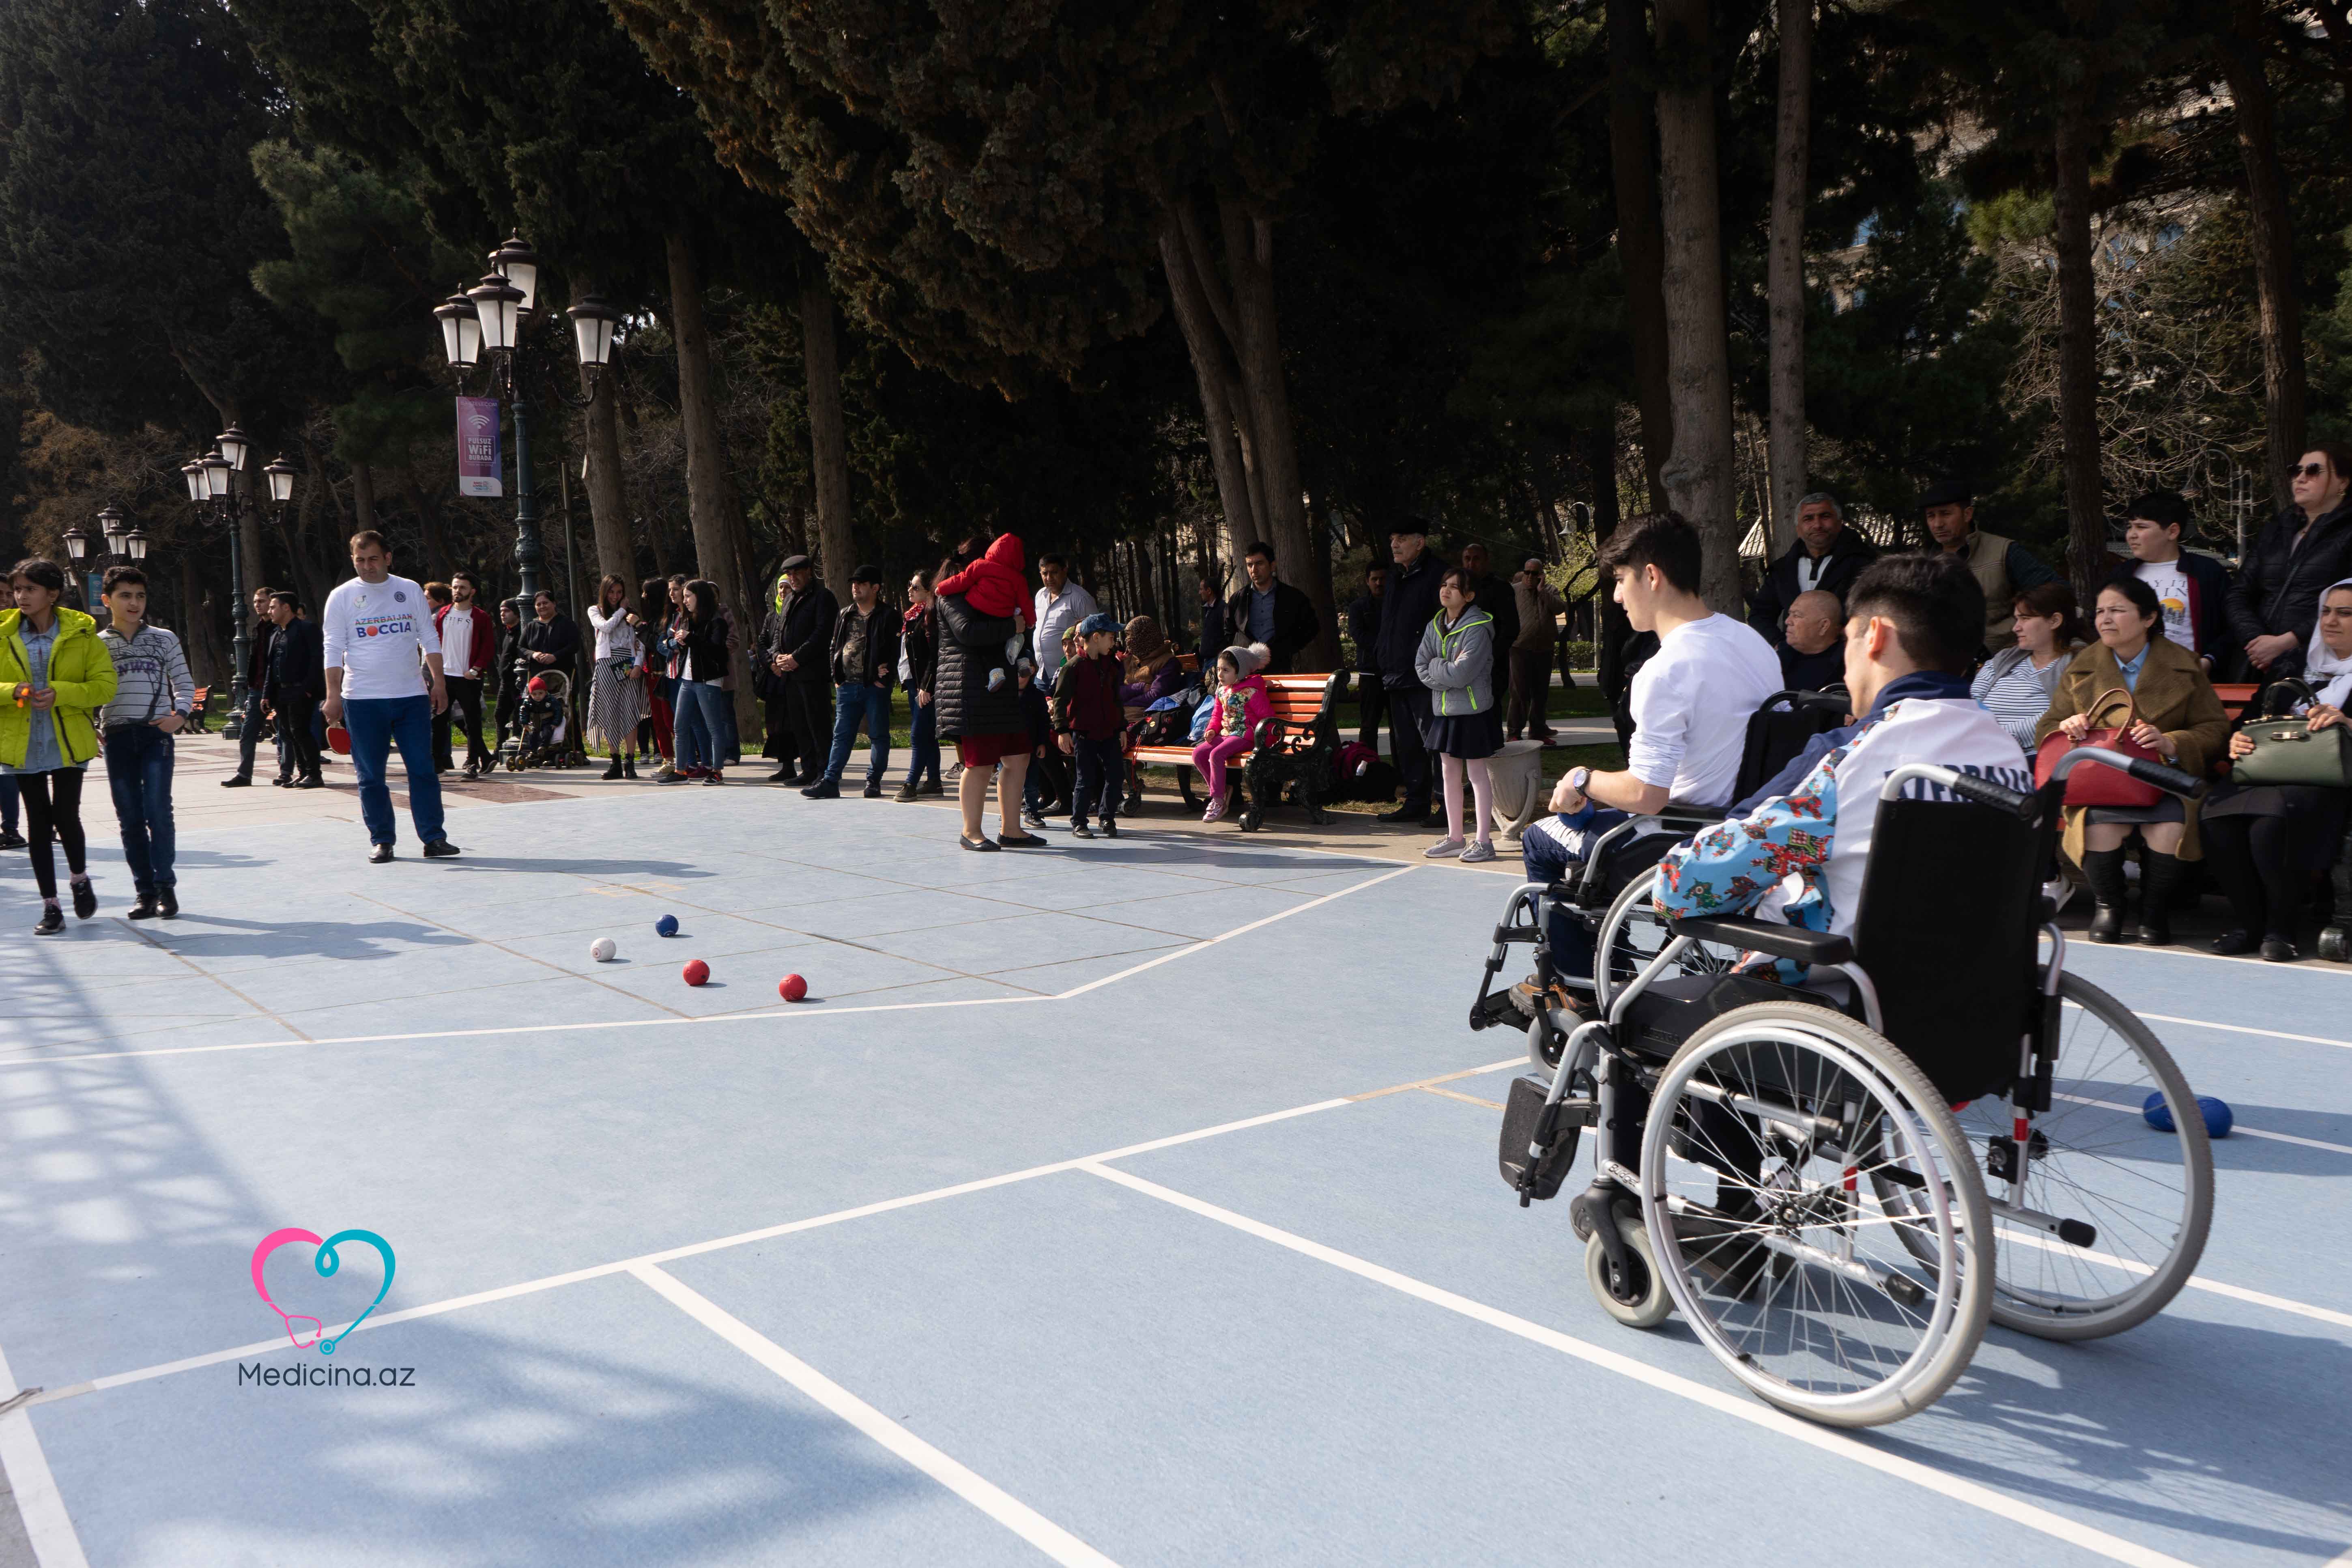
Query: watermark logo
326	1263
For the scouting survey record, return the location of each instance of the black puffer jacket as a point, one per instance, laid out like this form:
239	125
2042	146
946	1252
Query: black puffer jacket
2279	585
970	645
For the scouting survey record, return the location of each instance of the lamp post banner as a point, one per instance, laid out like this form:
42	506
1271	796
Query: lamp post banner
478	468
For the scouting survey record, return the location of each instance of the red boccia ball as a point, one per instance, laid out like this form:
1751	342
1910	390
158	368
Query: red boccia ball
696	971
791	988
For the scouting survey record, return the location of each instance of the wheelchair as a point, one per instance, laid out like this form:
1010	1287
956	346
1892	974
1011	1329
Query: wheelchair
1841	1183
1615	876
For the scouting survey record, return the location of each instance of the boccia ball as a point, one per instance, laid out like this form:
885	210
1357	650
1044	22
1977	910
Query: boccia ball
791	988
665	926
696	971
2218	1118
602	949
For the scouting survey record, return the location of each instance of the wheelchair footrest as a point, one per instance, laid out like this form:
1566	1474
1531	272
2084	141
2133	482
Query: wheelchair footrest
1528	1170
1495	1010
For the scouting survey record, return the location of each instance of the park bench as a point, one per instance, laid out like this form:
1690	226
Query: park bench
2235	698
1296	745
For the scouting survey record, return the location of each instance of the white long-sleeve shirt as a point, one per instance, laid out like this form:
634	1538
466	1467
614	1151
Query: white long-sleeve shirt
378	634
615	638
1056	615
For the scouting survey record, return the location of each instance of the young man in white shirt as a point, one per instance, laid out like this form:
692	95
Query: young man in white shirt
1691	703
2193	589
1692	700
384	684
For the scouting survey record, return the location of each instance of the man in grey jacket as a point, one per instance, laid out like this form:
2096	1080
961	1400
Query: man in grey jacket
152	695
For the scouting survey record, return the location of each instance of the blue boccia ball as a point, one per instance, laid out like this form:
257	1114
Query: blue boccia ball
2218	1118
667	926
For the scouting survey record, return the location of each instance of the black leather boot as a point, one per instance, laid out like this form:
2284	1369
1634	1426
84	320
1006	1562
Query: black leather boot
2159	879
2104	871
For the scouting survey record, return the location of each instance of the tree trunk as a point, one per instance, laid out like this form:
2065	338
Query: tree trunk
1785	283
207	664
2078	365
1698	478
1610	629
1641	246
428	523
1206	346
608	507
828	439
1249	267
363	498
2278	307
709	495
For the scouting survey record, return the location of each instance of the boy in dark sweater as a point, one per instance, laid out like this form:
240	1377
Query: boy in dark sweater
1089	724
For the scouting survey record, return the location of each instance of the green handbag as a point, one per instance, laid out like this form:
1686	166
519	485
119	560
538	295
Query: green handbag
2289	751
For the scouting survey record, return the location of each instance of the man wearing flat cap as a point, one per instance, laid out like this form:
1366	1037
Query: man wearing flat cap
791	665
2004	568
865	661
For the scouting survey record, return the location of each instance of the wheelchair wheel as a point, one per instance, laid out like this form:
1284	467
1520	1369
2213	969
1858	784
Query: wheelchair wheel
1632	934
1649	1304
1761	1130
2094	1159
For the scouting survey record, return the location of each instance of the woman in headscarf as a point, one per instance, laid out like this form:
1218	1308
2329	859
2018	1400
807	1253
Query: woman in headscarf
2269	841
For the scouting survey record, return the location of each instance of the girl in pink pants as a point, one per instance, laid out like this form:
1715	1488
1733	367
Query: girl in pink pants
1241	703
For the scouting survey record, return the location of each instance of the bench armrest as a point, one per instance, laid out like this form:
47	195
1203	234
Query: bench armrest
1769	937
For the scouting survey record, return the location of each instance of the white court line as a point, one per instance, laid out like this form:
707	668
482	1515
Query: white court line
2246	1029
1722	1402
2019	1235
787	1012
2235	1127
46	1524
691	1249
983	1494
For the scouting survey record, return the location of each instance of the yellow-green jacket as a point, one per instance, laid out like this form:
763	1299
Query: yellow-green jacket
80	672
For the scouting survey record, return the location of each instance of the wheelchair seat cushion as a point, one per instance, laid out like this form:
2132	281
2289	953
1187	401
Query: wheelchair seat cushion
1671	1011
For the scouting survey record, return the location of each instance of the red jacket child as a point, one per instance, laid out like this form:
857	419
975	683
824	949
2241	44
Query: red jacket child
995	585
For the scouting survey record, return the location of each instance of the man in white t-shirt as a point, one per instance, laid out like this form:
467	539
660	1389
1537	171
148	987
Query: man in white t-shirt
384	685
1691	703
2190	588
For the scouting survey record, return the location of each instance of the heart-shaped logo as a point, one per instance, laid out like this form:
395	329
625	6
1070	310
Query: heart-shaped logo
326	1263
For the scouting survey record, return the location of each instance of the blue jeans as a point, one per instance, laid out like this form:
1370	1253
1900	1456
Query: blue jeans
376	725
869	705
695	726
924	745
139	772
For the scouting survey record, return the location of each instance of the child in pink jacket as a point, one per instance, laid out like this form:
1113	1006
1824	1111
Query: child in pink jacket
1241	703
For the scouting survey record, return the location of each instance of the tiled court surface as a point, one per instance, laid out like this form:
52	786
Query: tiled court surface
1054	1230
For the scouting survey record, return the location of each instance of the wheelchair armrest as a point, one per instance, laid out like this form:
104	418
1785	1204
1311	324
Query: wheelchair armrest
1768	937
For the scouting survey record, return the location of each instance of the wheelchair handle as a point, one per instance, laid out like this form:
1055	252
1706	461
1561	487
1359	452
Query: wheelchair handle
2172	781
1967	786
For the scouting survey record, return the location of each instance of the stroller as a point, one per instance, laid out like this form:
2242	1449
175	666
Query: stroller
544	728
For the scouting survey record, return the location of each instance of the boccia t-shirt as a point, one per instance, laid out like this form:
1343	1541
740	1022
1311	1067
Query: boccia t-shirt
378	633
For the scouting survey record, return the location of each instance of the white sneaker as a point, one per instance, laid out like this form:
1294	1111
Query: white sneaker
2058	890
1482	850
1216	809
1445	849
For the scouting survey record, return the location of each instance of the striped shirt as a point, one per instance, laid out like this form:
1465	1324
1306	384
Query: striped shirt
151	676
2018	696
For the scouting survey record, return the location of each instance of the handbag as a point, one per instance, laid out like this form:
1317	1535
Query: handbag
2094	784
2288	751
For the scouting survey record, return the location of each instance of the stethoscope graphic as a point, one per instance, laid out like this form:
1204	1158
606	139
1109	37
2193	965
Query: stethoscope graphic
326	1263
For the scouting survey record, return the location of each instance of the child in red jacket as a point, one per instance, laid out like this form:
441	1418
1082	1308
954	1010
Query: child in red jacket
996	584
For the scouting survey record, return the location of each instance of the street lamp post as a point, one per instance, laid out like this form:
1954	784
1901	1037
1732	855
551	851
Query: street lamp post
123	545
211	482
494	318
